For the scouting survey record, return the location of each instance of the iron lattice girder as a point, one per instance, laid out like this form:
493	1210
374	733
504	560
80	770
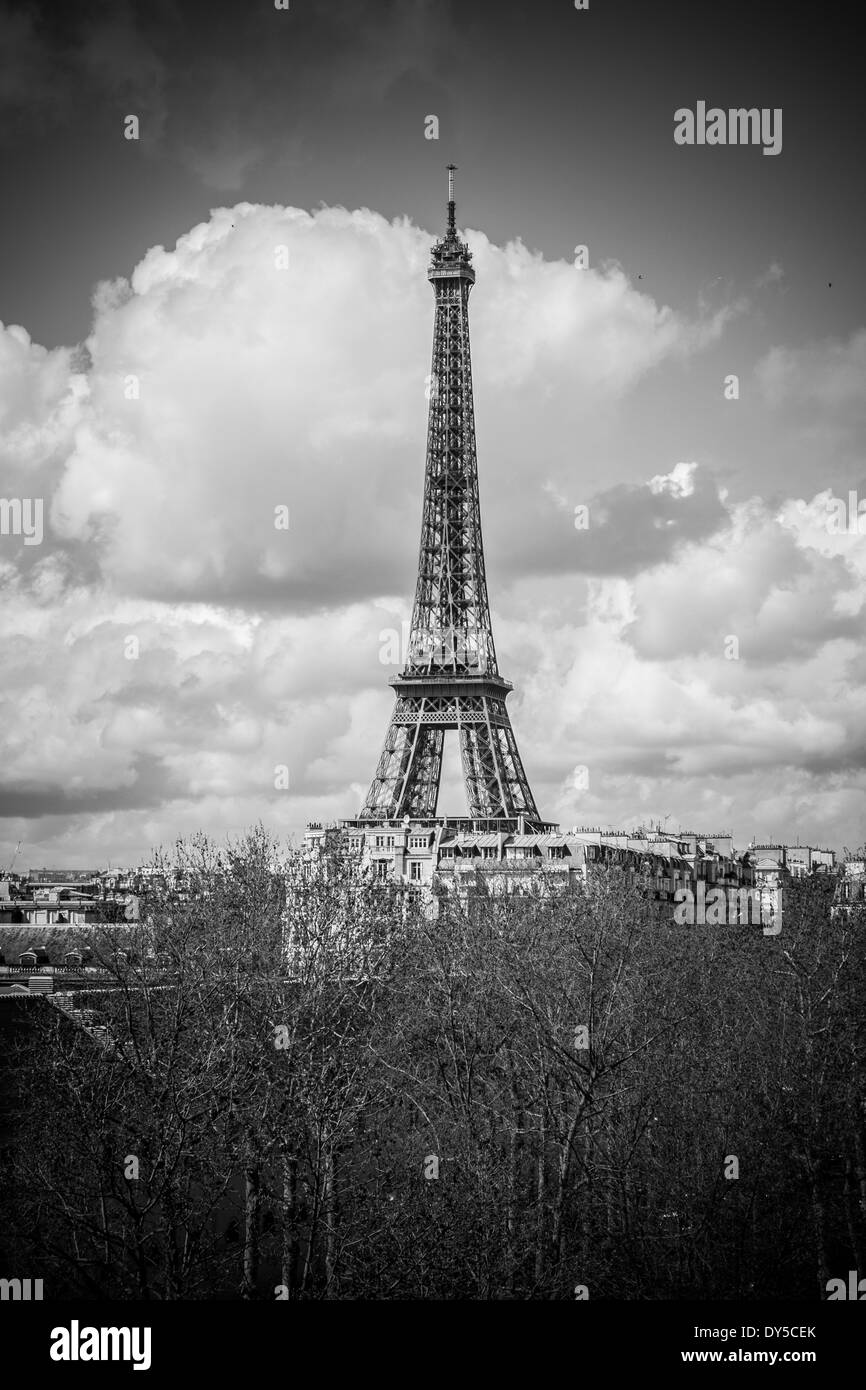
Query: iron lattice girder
451	679
451	628
410	768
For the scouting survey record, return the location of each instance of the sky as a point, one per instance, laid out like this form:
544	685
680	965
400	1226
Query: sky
214	343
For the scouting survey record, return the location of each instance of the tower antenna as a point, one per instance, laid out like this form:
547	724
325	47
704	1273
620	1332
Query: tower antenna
451	222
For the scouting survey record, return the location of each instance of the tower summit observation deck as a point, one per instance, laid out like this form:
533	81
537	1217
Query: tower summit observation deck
451	678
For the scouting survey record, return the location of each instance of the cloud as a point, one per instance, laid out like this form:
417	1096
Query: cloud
222	387
765	583
630	527
217	387
829	374
771	276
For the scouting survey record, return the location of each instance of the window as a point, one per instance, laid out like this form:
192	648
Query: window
380	868
418	842
489	852
415	869
389	841
380	841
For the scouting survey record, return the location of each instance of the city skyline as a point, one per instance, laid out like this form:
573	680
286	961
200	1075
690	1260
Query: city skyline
230	442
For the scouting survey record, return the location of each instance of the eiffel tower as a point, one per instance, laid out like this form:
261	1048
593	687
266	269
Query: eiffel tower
451	679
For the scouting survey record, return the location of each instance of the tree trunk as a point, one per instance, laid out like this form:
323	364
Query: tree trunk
514	1159
819	1227
850	1215
252	1196
564	1168
330	1215
861	1167
289	1274
540	1187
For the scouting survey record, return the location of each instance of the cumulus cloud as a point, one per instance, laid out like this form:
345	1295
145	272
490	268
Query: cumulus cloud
231	376
277	359
756	580
633	526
